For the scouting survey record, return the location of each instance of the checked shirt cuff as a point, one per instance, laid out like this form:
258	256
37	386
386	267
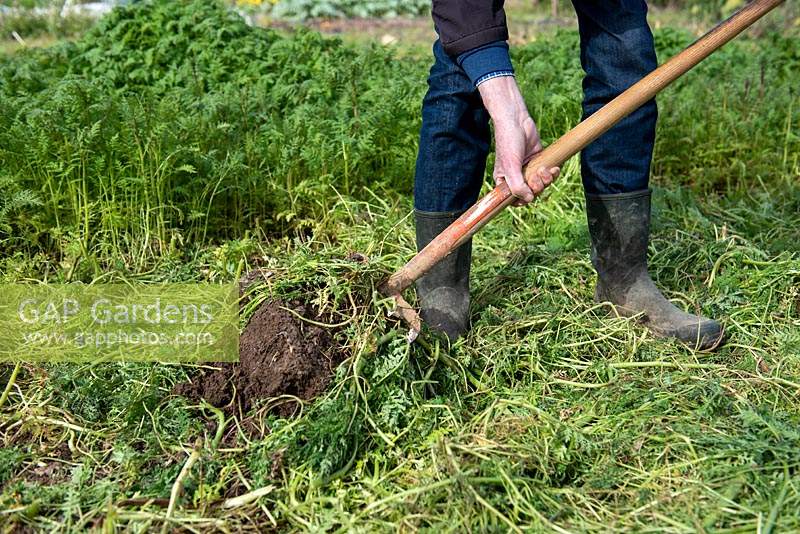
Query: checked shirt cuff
492	75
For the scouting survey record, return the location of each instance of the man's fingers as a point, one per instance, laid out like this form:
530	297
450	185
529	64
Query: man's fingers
526	192
519	188
542	178
548	176
537	184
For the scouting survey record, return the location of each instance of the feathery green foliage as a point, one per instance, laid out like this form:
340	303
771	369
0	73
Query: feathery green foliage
173	122
214	148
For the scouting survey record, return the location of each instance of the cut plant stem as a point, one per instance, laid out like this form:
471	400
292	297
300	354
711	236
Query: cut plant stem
10	384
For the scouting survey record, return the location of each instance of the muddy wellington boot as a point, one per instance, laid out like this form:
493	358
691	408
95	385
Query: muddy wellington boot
619	226
443	293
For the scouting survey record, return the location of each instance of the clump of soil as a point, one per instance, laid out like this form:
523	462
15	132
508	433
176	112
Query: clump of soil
279	354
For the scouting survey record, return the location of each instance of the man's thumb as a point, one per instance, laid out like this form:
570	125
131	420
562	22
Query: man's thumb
516	183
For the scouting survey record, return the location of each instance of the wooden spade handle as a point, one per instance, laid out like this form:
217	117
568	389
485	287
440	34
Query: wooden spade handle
575	140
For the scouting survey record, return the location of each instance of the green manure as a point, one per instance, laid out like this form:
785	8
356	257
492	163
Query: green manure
213	149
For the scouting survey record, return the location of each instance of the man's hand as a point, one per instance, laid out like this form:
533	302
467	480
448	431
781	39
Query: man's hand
516	139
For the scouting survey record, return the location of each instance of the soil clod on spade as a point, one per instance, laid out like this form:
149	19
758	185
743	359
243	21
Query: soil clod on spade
279	354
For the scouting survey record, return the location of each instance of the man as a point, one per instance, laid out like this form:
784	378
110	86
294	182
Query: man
471	82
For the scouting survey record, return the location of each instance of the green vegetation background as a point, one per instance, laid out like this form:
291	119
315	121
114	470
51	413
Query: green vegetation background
173	142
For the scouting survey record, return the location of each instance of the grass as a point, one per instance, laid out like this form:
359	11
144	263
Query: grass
550	416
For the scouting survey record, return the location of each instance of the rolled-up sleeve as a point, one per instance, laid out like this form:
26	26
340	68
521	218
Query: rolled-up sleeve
464	25
486	62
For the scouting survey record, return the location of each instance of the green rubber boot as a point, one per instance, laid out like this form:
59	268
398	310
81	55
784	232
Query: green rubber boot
443	292
619	226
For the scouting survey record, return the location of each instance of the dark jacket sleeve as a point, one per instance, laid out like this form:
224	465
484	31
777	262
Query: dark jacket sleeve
466	24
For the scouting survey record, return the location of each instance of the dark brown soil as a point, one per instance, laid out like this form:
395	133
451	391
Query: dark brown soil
279	354
48	473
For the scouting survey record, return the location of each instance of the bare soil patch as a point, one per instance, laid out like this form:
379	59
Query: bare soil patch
280	353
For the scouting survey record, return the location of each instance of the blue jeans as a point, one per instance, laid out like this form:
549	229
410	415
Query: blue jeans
616	51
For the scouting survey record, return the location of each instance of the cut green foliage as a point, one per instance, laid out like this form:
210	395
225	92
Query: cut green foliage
214	148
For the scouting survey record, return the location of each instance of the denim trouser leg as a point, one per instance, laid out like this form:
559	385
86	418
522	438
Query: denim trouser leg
616	51
453	142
